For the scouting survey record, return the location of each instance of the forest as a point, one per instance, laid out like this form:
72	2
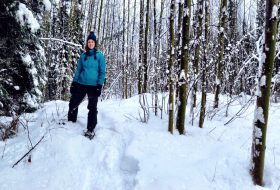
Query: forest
187	49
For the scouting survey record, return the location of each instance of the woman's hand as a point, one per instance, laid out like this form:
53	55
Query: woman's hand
98	90
73	87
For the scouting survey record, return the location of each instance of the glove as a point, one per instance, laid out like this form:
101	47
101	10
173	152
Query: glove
98	90
73	87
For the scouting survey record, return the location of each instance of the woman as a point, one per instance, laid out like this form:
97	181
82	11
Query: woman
88	80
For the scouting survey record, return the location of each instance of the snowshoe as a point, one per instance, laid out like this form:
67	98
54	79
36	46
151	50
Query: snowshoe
89	134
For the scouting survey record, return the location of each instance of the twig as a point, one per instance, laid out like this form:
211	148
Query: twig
4	149
214	172
273	154
28	152
212	130
246	106
130	117
28	134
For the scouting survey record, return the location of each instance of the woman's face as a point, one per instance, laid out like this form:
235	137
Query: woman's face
90	44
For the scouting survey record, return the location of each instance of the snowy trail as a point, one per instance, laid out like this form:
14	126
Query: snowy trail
67	160
111	163
103	169
126	154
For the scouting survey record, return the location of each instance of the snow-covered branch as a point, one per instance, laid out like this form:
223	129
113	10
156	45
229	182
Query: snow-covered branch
63	41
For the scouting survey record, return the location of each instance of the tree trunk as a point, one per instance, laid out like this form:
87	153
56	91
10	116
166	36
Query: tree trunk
199	16
141	37
260	17
171	67
157	58
204	66
263	92
145	60
99	18
220	62
180	124
124	74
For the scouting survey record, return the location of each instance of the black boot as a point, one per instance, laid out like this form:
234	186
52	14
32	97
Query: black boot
89	134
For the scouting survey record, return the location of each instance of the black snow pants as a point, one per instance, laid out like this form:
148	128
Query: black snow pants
77	95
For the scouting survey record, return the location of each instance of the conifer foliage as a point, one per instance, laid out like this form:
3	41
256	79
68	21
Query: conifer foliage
22	60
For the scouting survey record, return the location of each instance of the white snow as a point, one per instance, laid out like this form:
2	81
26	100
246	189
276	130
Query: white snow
182	77
16	87
263	57
47	4
24	15
274	12
218	81
263	80
259	115
30	100
27	60
186	11
126	154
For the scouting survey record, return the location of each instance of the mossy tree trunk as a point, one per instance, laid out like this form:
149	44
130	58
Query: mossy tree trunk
263	92
171	67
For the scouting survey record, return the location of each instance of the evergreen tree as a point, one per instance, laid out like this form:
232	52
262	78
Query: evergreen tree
22	60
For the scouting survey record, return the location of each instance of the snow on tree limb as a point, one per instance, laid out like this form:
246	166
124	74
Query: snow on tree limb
63	41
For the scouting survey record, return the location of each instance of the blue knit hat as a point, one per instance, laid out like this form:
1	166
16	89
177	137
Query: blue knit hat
91	36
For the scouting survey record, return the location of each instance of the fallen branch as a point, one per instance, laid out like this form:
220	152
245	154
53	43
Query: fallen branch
241	111
28	152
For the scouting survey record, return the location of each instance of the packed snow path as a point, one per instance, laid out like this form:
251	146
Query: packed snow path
68	160
126	154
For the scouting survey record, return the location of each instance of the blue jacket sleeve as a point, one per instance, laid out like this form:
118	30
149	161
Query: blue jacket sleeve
78	70
101	70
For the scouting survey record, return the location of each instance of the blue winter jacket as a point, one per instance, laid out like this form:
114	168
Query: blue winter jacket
91	71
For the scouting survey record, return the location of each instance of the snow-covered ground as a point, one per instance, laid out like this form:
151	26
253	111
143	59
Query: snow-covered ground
127	154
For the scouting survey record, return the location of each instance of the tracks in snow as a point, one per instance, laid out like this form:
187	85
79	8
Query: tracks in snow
111	167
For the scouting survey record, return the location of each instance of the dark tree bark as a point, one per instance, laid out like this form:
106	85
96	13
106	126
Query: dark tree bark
180	124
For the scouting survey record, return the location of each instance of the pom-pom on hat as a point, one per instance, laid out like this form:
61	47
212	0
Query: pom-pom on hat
91	36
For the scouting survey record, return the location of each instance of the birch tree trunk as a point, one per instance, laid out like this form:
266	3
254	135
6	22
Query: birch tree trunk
263	92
